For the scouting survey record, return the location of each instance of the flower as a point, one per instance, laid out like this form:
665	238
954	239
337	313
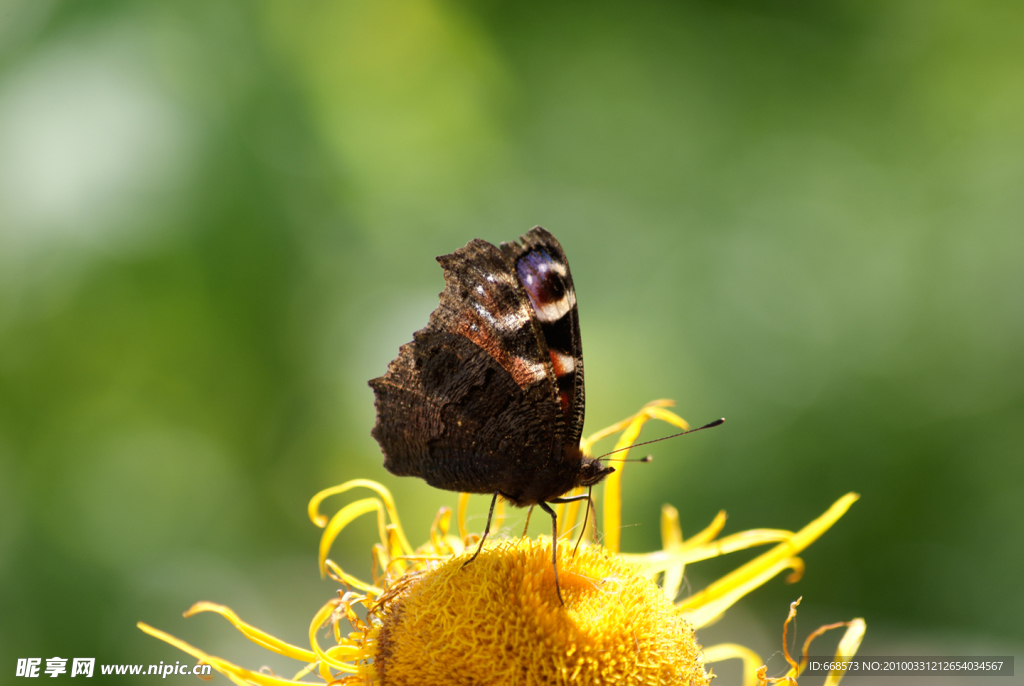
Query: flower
430	620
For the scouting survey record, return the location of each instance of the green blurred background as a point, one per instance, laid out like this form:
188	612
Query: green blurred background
218	220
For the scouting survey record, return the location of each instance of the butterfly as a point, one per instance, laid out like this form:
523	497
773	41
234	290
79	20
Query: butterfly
488	397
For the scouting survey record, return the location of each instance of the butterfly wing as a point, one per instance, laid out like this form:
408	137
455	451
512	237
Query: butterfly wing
543	271
472	403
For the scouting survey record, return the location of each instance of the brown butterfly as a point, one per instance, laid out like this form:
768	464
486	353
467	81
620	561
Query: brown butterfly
488	397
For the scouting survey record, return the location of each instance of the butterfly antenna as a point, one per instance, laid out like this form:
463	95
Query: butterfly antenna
709	425
647	458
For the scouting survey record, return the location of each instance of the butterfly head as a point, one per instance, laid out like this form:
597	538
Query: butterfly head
592	471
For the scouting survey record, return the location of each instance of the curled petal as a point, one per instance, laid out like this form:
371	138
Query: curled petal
731	651
848	646
252	633
238	675
394	547
794	667
385	495
327	661
343	518
589	441
340	575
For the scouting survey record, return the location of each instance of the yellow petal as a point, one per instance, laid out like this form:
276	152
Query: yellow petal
461	517
568	513
395	553
326	660
663	559
439	531
338	574
238	675
613	482
712	608
343	518
848	646
589	441
778	558
252	633
658	412
671	539
385	496
731	651
709	533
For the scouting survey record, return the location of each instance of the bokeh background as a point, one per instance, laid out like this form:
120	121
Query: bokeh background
218	220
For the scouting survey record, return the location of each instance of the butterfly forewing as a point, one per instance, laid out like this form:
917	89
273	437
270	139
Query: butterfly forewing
543	272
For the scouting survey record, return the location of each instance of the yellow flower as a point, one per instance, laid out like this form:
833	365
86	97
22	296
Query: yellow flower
429	620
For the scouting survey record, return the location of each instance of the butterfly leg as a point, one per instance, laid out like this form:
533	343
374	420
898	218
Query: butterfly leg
586	515
554	545
487	530
528	513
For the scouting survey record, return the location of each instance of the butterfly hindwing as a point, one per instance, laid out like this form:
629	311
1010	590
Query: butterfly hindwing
447	412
